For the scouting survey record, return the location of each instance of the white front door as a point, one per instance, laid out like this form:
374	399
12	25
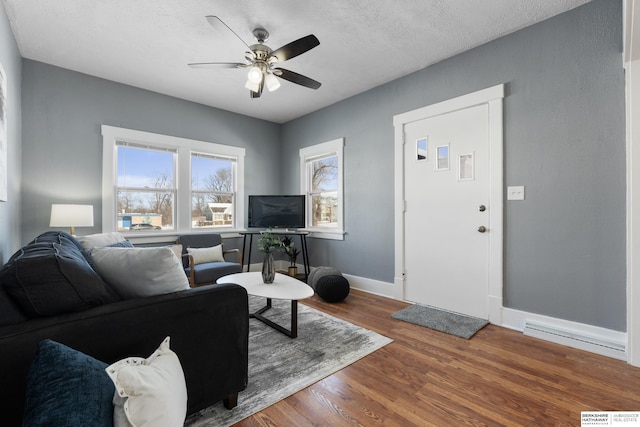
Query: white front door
447	195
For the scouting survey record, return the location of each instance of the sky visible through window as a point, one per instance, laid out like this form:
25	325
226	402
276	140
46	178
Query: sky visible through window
140	168
202	168
325	173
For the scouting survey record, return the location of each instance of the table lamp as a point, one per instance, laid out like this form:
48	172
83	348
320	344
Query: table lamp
71	216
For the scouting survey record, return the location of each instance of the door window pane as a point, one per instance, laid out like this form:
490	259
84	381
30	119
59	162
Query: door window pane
465	168
442	157
422	149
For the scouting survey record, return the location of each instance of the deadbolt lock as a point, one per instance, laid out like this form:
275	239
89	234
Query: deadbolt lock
482	229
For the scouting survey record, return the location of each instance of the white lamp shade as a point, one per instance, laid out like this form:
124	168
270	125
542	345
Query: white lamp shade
272	82
252	86
255	75
71	216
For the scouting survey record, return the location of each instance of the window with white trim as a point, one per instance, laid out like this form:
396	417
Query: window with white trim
159	184
145	187
212	190
321	171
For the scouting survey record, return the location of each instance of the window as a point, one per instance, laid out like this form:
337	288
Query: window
158	183
321	181
212	192
145	187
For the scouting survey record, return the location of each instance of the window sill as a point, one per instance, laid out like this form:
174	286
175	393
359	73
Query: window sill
172	236
150	238
325	234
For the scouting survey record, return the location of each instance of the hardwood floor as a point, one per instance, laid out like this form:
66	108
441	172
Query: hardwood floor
425	378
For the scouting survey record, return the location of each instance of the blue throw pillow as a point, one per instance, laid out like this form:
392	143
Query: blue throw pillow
122	244
67	388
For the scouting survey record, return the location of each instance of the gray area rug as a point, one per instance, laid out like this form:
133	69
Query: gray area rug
280	366
449	322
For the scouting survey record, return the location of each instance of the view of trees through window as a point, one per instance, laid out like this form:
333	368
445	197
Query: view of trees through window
212	191
324	191
147	189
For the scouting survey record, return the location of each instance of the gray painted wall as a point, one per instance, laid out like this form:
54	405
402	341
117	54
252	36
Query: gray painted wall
10	210
62	143
564	140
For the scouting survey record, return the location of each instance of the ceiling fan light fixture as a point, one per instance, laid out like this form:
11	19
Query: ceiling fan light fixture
272	82
255	75
252	86
260	60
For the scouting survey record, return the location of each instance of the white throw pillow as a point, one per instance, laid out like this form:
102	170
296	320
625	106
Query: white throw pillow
204	255
100	239
177	251
140	272
149	392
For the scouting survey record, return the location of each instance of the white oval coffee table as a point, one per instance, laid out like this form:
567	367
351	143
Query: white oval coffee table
283	287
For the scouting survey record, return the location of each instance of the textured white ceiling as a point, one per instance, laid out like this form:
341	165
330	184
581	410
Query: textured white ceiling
363	43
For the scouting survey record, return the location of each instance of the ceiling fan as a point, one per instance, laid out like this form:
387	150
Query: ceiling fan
261	60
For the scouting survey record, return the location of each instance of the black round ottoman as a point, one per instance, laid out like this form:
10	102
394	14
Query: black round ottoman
332	288
318	273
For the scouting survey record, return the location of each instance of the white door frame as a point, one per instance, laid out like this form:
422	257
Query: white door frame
493	97
632	89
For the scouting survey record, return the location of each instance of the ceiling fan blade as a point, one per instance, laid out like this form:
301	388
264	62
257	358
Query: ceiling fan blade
219	25
216	65
296	48
297	78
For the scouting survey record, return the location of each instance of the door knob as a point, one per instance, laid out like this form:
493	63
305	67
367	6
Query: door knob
482	208
482	229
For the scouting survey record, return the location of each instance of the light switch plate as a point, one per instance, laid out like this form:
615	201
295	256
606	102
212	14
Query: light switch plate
515	192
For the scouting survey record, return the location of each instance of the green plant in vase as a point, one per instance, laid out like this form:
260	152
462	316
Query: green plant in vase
292	252
268	244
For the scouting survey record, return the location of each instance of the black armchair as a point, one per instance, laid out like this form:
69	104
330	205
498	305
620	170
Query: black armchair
204	268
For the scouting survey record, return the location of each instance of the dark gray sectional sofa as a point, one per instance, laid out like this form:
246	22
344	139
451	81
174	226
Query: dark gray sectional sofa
48	289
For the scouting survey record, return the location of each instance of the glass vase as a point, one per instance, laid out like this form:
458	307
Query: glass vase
268	270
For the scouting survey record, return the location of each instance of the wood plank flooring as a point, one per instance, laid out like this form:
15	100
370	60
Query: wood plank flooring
425	378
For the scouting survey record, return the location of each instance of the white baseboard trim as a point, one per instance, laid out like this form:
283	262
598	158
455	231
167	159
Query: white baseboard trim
594	339
585	337
371	286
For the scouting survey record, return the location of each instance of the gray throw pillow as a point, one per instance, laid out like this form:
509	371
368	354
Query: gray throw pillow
140	272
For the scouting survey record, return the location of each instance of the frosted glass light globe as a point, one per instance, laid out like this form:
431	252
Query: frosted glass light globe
255	75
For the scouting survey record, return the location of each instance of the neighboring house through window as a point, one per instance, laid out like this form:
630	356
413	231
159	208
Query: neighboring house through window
160	183
321	181
145	187
212	190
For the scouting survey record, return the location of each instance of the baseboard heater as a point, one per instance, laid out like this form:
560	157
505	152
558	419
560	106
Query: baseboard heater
576	340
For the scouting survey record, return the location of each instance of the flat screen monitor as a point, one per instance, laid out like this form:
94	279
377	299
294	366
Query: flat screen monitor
277	211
